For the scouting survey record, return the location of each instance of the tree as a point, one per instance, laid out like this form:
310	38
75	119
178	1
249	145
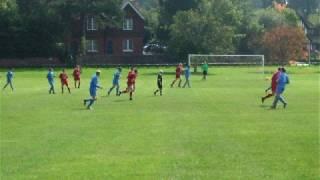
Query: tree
263	21
284	43
32	28
192	32
167	10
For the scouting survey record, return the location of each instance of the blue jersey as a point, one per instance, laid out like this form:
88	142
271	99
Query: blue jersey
283	80
94	84
187	72
9	76
50	76
116	77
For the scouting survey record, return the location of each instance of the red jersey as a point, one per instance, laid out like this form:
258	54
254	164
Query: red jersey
131	77
76	74
63	77
179	70
274	79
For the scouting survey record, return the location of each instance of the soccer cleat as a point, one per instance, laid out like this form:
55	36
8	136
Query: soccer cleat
272	107
130	99
84	102
89	108
155	93
285	105
262	100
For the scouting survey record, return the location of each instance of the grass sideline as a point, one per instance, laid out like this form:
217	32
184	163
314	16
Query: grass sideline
218	129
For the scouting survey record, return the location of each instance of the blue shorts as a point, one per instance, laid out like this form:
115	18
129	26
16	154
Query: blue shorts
280	90
115	83
93	92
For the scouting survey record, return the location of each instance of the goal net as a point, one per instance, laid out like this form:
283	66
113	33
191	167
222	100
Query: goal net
195	60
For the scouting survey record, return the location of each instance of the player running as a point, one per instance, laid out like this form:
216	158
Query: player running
94	85
130	83
179	71
50	77
187	74
205	68
64	80
282	81
115	81
9	79
273	86
76	76
159	83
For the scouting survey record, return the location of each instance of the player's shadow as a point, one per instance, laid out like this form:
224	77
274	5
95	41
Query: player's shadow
264	106
120	100
173	74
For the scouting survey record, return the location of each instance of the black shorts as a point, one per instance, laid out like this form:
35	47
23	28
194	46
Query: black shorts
205	73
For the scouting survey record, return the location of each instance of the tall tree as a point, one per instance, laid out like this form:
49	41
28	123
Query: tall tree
284	43
169	8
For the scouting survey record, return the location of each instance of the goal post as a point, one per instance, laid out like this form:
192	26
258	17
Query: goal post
227	60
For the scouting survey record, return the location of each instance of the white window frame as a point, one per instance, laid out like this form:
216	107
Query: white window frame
128	24
92	46
126	45
91	23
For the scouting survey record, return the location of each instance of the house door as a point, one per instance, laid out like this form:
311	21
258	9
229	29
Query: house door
109	47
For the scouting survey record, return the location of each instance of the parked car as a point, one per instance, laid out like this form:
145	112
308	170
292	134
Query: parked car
154	49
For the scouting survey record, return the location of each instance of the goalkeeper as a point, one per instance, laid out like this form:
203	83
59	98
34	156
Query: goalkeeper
205	68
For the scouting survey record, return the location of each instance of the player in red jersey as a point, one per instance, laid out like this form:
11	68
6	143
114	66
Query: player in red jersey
64	80
76	76
273	86
131	83
179	71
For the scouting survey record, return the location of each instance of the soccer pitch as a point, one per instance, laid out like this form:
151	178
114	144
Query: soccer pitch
218	129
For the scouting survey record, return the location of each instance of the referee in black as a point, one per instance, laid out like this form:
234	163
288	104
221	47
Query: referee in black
159	83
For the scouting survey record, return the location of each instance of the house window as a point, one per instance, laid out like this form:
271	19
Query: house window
109	47
91	23
92	46
127	45
128	24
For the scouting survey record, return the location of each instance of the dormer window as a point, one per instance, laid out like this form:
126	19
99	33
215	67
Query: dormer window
128	24
91	23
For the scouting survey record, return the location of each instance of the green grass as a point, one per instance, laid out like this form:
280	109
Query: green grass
218	129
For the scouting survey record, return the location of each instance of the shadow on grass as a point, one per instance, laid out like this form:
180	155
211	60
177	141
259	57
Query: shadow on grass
173	74
121	100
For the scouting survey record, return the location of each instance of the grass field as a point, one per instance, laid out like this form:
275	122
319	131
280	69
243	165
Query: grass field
218	129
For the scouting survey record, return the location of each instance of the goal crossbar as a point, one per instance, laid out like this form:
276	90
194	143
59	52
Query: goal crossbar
241	62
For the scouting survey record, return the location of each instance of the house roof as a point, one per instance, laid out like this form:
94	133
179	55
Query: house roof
128	3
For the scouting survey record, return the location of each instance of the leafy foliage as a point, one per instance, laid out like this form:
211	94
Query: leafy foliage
284	43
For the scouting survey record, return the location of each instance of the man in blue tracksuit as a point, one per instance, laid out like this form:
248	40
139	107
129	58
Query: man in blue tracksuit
115	81
94	85
187	74
9	79
50	77
282	81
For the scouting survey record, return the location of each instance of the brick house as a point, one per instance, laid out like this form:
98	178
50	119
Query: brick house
124	41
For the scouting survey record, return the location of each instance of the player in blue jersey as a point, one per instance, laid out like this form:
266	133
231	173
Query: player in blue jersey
282	81
50	77
94	85
9	79
187	74
115	81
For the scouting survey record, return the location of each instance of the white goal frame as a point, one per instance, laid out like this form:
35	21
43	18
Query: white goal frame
234	55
